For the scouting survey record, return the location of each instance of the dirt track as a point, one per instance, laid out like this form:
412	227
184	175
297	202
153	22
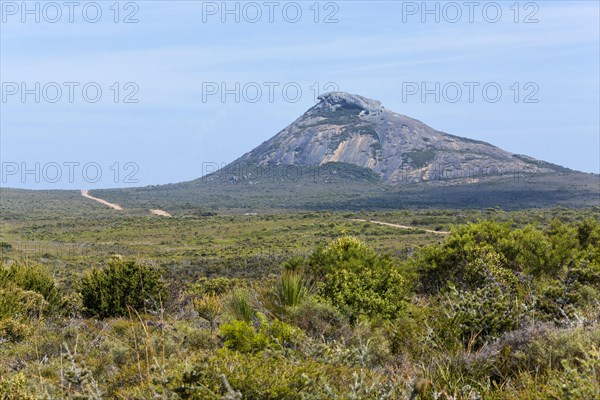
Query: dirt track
86	193
161	213
402	226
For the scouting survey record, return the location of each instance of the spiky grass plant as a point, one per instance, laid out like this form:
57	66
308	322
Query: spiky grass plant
240	306
291	289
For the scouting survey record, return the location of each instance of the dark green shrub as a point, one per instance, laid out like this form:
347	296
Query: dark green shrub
467	255
319	319
555	302
585	272
564	245
439	265
572	296
121	284
588	233
408	329
26	291
479	315
528	250
554	274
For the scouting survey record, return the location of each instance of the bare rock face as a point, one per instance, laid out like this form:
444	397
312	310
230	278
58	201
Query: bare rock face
352	129
334	100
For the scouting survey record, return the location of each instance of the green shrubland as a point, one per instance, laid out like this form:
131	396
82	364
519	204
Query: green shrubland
497	309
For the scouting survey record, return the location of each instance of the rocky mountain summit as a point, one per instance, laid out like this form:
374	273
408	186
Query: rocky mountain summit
351	129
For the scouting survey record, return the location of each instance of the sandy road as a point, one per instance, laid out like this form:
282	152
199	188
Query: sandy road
86	193
160	213
401	226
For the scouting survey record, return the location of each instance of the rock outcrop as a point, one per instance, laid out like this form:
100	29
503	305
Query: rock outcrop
346	128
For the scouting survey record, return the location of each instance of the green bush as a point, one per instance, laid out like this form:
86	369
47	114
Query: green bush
121	284
554	272
455	261
237	375
555	302
527	251
479	315
15	388
241	335
408	330
588	233
34	278
319	319
13	330
580	379
574	296
26	291
274	376
357	280
16	303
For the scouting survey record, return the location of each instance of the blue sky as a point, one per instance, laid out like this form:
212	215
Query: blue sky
177	50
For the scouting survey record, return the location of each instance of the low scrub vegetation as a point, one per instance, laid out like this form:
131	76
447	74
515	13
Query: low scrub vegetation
496	310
